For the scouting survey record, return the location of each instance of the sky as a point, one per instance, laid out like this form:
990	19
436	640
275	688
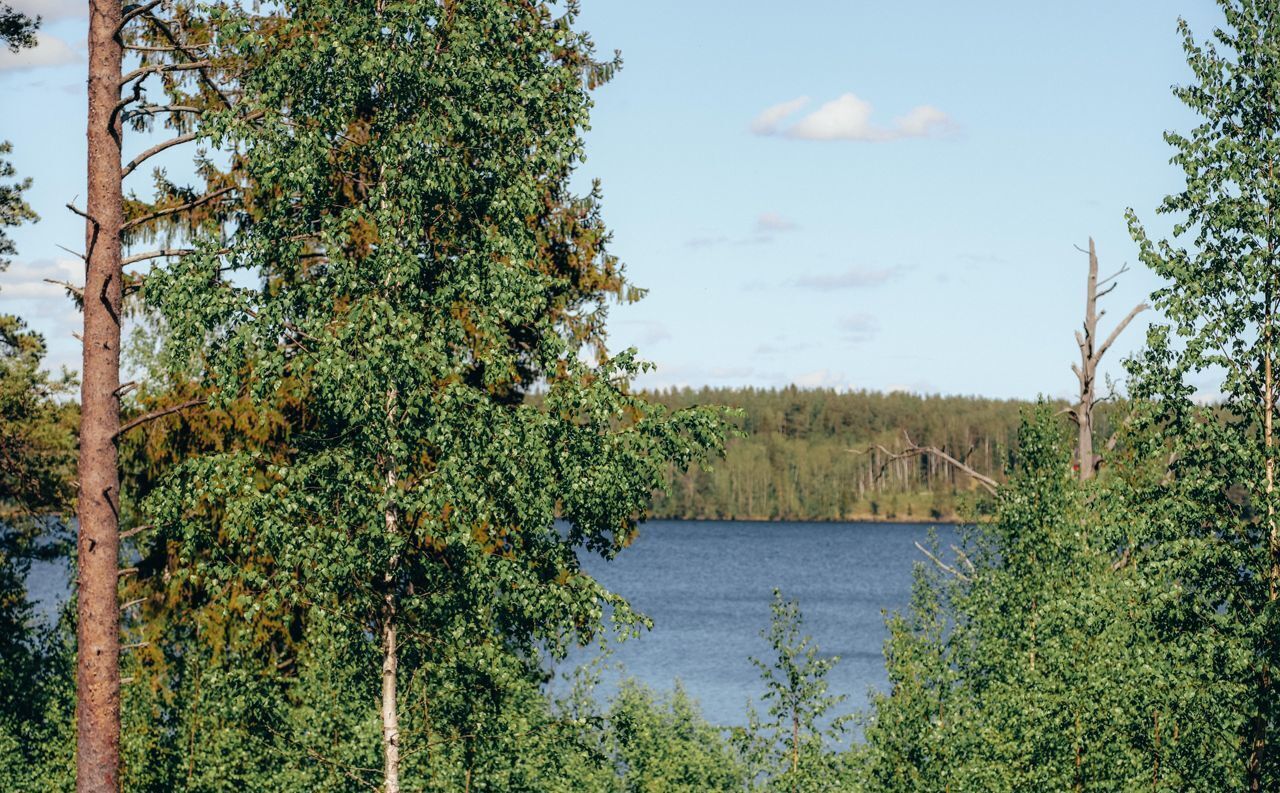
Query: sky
846	194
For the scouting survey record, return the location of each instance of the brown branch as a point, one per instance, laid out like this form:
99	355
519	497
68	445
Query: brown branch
84	215
151	110
161	68
204	199
144	48
155	414
76	291
142	257
1114	275
943	565
167	32
1121	562
124	535
964	559
135	13
154	150
1138	309
347	770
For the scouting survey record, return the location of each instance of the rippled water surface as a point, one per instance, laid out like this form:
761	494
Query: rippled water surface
707	587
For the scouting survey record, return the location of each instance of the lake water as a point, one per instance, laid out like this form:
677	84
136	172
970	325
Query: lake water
707	586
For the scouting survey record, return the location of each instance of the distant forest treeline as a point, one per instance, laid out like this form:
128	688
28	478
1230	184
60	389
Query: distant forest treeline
810	454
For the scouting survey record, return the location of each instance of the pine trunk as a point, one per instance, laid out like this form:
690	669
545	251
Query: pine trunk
98	623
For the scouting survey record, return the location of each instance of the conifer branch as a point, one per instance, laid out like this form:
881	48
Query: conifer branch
162	68
201	201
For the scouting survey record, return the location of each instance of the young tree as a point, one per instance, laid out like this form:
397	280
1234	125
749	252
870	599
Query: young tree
1031	664
1221	301
422	268
795	748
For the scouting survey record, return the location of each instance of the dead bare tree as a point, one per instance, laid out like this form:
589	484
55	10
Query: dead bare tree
166	54
1091	354
912	449
1081	413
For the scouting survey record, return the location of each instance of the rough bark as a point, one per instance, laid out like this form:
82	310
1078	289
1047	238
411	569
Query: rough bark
98	615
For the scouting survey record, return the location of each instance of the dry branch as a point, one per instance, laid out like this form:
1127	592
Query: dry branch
153	151
915	450
943	565
155	414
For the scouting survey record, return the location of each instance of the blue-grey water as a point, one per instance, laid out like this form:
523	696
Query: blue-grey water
707	587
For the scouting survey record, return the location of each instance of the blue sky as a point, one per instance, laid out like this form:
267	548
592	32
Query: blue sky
910	223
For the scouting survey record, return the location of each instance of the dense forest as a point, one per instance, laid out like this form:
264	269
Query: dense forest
329	536
819	454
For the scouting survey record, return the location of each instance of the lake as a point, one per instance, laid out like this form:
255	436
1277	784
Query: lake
707	586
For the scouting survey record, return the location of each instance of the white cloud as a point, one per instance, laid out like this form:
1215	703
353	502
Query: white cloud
923	121
853	278
773	222
844	118
51	9
26	280
858	328
849	117
49	51
767	122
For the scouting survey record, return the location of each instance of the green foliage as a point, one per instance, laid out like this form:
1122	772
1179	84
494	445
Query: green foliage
421	269
1210	541
17	30
37	486
811	455
13	210
661	744
794	748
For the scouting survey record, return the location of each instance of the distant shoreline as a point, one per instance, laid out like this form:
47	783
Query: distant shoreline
900	519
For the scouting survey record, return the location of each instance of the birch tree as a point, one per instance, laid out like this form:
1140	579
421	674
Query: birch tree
421	267
1223	272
